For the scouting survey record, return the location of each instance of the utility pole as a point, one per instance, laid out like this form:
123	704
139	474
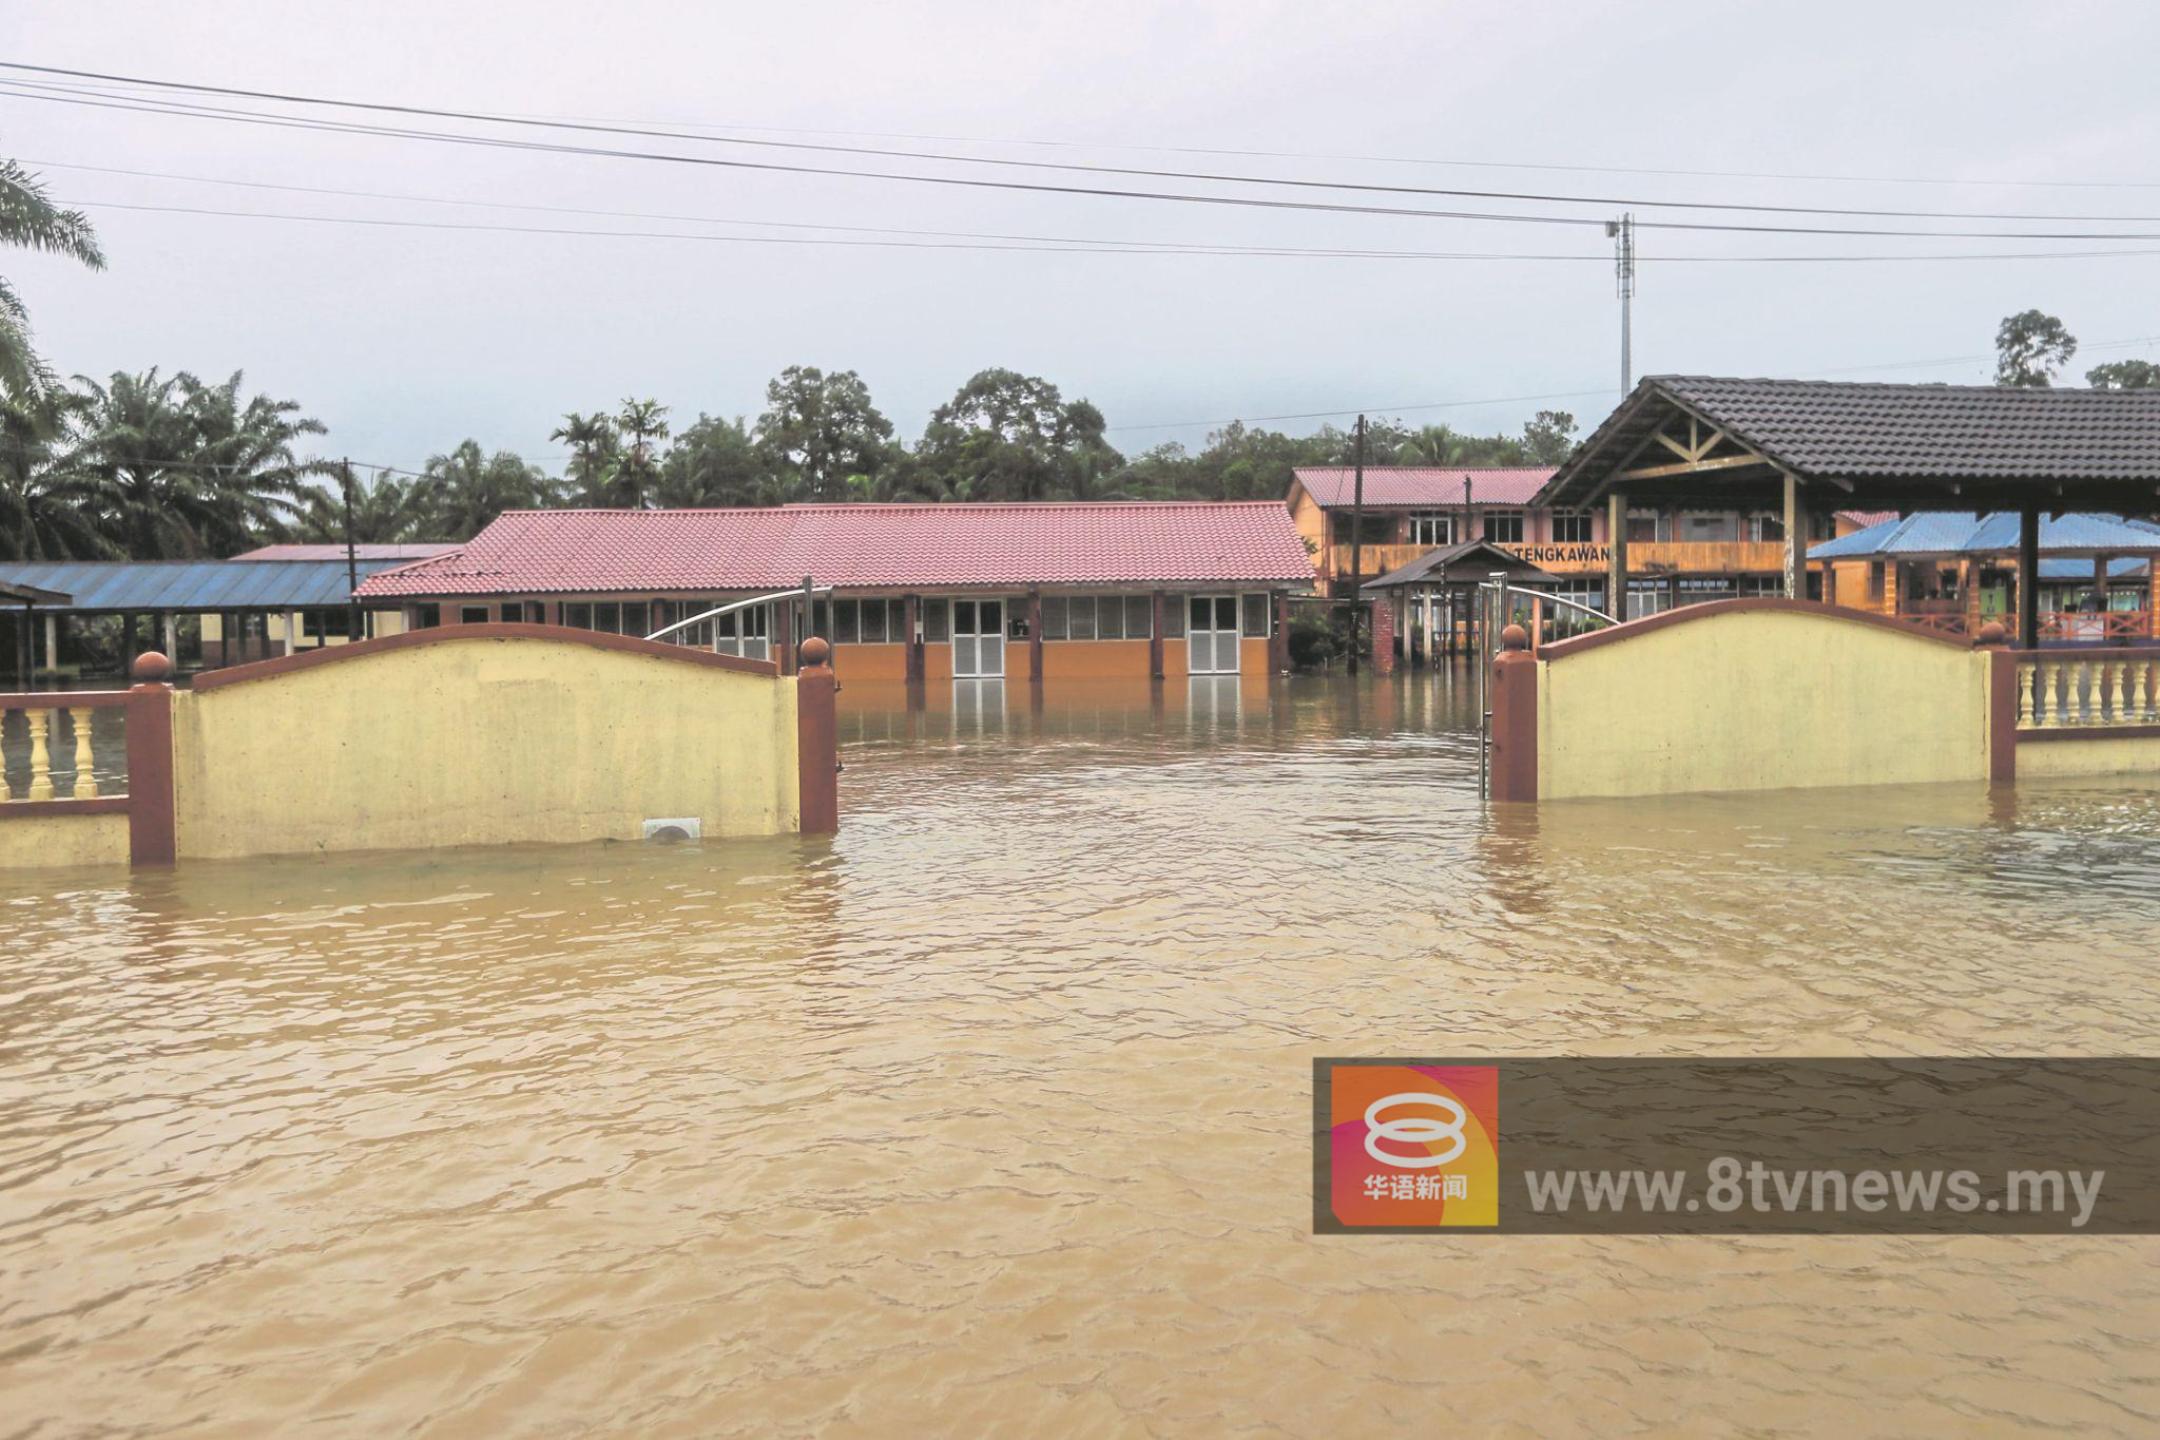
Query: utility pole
353	621
1622	232
1357	544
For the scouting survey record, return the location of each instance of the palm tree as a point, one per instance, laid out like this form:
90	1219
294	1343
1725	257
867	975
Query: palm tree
385	510
177	468
638	467
47	509
29	221
592	441
468	488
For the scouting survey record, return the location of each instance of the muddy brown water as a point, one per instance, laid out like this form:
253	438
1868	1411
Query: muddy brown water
990	1116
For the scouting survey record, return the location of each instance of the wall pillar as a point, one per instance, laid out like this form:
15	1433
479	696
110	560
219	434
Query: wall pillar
783	636
1514	774
1278	638
292	630
151	839
817	740
52	642
1616	553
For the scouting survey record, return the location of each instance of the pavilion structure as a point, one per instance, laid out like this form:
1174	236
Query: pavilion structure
1810	448
1432	601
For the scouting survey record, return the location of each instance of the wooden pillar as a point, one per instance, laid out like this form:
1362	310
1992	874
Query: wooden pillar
1795	540
1829	585
1155	635
785	655
1035	636
2100	583
2028	579
1616	551
1969	594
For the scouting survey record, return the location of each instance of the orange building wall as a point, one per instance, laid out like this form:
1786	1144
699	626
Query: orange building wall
876	662
1093	659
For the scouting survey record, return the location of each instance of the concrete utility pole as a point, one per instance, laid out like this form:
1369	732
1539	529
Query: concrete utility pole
1357	544
1622	232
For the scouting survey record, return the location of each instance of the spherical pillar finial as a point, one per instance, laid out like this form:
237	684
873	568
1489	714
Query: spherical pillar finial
151	668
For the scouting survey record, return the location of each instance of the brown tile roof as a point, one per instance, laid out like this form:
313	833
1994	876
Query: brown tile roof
1387	487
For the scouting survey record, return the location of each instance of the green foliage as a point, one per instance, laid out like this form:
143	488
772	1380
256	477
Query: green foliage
468	487
386	510
591	439
1008	436
821	437
2124	375
1317	635
30	221
2029	348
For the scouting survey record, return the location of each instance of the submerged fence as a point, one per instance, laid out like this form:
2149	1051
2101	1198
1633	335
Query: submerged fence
472	734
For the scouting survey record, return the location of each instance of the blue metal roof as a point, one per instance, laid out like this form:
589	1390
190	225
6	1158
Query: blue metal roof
212	585
1945	532
2123	567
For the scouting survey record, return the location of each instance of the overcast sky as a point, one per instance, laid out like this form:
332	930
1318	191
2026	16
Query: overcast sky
405	341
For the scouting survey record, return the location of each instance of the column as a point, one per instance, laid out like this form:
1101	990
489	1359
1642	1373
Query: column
292	629
1616	553
1795	540
171	627
1035	636
914	640
1155	634
1278	639
52	642
2028	579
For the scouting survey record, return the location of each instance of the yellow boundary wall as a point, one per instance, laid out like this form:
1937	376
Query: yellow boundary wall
1757	695
481	735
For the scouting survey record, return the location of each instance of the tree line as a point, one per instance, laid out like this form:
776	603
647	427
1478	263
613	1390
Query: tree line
155	466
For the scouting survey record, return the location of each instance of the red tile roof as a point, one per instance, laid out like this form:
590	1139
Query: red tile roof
1396	486
864	547
398	550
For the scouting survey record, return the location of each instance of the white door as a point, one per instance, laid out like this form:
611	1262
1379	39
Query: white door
978	639
1211	635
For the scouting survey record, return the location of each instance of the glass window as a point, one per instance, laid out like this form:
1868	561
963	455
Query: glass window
1504	527
844	628
1433	529
1255	618
896	620
821	618
577	615
1139	617
1642	527
936	622
634	618
1056	609
963	617
872	621
1016	618
1109	617
1202	613
608	617
473	614
1083	617
1226	613
1173	616
757	620
1571	527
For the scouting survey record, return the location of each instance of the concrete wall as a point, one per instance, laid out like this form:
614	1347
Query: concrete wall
2100	755
29	841
462	736
1758	695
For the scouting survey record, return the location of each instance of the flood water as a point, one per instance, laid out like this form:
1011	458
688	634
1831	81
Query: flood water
991	1115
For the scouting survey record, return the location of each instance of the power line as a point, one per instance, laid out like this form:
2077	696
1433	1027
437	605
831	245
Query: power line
946	157
1033	187
1047	243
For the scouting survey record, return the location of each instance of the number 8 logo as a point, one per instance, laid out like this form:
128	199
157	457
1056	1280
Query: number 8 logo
1415	1130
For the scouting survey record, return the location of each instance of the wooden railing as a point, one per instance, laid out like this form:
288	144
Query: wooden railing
2068	691
42	711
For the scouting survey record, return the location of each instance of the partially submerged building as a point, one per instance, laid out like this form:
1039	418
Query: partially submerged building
1678	554
919	592
1953	571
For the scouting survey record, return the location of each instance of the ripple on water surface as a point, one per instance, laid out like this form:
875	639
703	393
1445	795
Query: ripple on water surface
990	1115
